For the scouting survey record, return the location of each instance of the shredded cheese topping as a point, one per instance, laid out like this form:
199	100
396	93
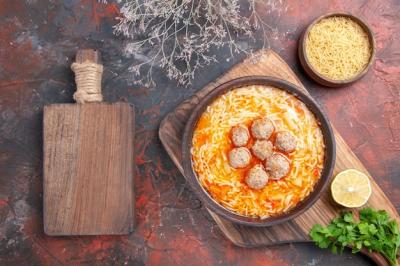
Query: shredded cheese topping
338	48
211	143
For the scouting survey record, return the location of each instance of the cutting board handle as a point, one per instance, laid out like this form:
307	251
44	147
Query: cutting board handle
88	71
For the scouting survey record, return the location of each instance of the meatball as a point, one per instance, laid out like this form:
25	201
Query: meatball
262	128
262	149
257	178
285	141
277	166
239	157
240	135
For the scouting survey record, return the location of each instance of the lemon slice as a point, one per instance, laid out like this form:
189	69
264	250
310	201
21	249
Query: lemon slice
351	188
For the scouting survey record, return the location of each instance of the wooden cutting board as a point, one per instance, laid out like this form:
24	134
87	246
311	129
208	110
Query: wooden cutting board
323	211
88	162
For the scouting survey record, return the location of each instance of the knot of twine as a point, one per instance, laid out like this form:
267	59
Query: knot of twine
88	82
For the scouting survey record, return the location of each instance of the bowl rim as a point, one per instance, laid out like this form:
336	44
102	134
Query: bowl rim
313	72
206	198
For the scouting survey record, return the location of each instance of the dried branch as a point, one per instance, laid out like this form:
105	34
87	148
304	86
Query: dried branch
177	35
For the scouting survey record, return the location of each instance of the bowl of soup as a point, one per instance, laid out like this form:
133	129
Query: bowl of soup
258	151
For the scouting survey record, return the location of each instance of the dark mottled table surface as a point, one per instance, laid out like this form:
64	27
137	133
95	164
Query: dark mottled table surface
38	41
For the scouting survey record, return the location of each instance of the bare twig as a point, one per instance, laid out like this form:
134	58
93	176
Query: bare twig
177	35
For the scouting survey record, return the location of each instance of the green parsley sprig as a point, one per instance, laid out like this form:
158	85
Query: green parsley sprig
374	231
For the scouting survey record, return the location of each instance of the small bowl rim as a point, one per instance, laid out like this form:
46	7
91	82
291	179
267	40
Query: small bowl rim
319	77
208	200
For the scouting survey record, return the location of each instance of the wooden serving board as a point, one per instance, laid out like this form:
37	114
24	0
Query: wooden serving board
322	212
88	158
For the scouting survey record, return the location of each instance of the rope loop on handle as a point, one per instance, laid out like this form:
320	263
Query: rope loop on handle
88	82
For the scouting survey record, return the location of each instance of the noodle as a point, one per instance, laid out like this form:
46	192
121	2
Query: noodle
225	184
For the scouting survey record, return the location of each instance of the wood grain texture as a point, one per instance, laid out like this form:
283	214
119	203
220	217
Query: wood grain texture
88	167
323	211
88	55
